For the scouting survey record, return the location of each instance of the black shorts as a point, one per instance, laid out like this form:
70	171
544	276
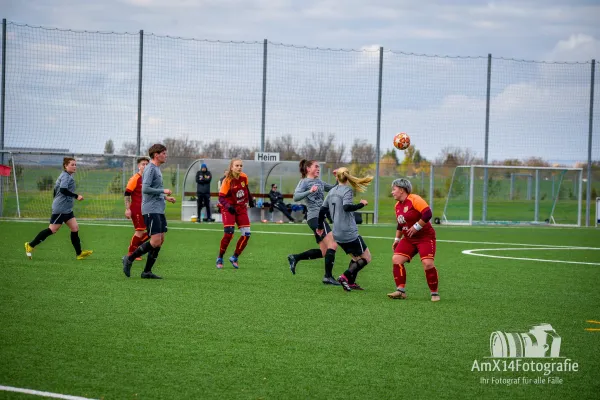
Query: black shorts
313	223
59	219
155	223
355	247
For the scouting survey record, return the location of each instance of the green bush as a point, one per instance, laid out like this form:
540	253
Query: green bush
45	182
116	185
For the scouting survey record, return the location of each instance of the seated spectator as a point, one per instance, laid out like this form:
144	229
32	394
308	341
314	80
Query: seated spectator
277	202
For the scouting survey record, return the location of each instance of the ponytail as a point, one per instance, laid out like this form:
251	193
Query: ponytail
358	184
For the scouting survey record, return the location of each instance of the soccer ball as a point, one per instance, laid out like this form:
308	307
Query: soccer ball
401	141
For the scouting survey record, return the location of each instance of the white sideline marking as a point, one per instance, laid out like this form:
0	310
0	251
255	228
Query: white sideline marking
472	253
540	246
43	394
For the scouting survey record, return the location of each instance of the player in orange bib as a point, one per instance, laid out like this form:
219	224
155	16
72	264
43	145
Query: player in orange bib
414	234
133	206
233	197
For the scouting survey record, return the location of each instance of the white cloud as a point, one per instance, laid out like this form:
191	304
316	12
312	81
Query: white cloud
578	47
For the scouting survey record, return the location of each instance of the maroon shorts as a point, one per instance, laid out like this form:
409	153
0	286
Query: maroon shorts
409	247
240	218
138	222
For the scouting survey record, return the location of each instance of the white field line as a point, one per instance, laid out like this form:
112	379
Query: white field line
541	246
473	253
42	394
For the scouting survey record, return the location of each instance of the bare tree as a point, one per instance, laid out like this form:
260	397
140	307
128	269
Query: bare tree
453	156
362	152
244	153
336	155
128	148
182	147
283	145
215	150
317	147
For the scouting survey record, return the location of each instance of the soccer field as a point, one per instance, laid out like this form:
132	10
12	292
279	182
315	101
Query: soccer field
81	328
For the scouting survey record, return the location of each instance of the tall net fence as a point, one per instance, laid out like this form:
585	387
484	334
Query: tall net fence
70	90
77	92
533	103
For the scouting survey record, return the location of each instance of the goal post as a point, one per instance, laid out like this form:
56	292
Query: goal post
498	194
28	191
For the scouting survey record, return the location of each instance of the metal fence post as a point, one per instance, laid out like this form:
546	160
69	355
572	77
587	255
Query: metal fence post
2	108
139	119
377	147
487	138
588	193
264	115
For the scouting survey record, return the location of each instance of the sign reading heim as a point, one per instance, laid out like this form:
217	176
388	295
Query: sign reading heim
262	156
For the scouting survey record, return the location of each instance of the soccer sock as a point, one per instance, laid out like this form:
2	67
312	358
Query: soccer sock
225	243
152	256
432	279
241	245
146	247
348	273
329	261
40	237
76	242
399	275
355	268
311	254
136	241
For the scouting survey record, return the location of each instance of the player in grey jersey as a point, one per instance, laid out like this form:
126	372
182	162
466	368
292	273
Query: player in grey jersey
62	211
339	203
312	190
154	196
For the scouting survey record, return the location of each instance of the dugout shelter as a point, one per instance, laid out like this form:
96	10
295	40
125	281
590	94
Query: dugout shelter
261	174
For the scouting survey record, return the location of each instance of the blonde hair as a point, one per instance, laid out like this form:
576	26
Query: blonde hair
358	184
229	170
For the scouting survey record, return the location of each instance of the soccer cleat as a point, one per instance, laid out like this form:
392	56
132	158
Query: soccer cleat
330	280
219	263
28	250
127	266
293	263
84	254
355	286
150	275
234	261
344	283
398	294
435	296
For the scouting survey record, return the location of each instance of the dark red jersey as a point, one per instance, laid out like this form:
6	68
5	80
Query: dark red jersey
134	187
409	212
234	191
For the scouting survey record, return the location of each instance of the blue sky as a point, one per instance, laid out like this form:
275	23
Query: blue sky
76	90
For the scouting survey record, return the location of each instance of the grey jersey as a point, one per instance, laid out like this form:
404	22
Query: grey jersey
344	224
63	204
153	196
313	200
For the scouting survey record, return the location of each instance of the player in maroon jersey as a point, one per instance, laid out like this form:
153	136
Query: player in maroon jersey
133	206
414	234
233	197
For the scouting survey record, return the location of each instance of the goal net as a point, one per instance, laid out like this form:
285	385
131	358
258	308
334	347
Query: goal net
28	191
490	194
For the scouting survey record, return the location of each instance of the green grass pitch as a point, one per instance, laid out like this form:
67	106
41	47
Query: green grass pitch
81	328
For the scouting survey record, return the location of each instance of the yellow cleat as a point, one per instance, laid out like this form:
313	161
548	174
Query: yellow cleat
28	250
84	254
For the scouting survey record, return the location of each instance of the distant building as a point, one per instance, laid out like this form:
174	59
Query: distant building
36	156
